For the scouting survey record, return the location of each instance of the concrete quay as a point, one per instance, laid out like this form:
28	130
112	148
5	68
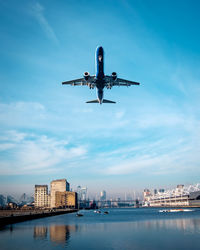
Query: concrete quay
15	216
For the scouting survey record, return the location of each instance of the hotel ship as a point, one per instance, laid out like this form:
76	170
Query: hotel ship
181	196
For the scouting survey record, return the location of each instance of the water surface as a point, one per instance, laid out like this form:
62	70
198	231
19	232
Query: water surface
120	229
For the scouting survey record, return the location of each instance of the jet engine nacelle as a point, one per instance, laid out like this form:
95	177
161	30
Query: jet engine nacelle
114	75
86	75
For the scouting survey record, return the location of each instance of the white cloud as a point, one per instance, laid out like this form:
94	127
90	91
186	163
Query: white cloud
119	114
21	114
6	146
37	11
37	154
169	155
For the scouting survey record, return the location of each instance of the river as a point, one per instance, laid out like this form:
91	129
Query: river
128	228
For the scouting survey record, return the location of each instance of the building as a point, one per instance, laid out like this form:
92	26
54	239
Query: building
146	192
66	199
180	196
41	197
82	193
147	196
103	195
60	185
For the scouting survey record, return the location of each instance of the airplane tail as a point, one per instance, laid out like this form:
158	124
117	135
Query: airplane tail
93	101
97	101
107	101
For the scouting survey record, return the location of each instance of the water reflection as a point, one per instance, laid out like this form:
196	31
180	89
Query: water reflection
59	234
40	232
185	225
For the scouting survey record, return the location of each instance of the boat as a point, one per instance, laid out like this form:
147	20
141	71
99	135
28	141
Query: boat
175	210
79	214
106	212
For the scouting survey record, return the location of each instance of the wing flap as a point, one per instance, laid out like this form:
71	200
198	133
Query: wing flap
119	82
75	82
126	82
80	81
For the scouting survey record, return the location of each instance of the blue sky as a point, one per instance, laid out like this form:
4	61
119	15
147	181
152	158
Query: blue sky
150	138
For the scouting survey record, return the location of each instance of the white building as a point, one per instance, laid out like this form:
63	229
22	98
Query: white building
180	196
41	197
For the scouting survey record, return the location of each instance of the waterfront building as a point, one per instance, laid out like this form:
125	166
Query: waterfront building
60	185
180	196
146	196
41	197
66	199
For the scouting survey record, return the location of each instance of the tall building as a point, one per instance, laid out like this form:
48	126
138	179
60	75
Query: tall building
66	199
79	192
82	193
42	199
58	185
103	195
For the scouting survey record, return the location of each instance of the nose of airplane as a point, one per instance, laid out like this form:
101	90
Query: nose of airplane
100	49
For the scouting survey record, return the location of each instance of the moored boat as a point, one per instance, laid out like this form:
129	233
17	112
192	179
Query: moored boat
175	210
79	214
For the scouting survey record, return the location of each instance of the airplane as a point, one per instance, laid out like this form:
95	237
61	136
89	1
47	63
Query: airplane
100	81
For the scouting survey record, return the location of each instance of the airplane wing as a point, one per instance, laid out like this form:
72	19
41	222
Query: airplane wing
81	81
119	82
123	82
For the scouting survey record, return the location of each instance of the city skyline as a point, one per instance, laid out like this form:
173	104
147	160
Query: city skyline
101	195
149	138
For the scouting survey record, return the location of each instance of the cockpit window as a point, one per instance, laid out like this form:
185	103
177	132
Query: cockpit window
100	58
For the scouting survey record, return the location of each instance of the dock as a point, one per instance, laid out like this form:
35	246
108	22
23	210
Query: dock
15	216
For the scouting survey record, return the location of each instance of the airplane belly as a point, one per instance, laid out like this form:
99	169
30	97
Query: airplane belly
100	63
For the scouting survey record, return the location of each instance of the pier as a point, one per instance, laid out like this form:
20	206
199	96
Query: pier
15	216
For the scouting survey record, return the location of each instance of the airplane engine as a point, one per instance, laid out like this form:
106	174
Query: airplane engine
86	75
114	75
